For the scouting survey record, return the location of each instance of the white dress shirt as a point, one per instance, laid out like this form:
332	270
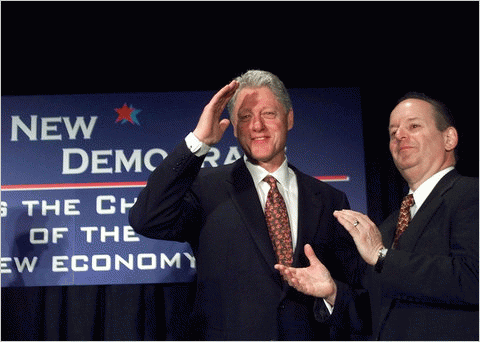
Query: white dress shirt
286	183
422	192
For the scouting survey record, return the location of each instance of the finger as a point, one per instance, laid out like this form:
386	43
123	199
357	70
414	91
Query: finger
364	222
223	124
312	258
354	215
349	226
282	269
227	90
218	102
349	219
350	216
285	273
342	215
293	282
343	219
224	95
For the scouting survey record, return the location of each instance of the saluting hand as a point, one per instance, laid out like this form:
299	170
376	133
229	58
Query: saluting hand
210	128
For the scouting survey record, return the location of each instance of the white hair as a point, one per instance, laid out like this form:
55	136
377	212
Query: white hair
259	79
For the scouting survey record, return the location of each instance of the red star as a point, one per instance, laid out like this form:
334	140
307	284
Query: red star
124	113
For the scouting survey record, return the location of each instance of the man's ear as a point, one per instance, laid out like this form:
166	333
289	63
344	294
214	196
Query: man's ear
450	136
290	119
234	130
233	121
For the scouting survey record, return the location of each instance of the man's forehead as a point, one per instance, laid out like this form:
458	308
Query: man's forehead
251	97
411	109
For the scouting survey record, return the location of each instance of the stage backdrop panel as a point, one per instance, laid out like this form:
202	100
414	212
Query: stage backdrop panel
72	166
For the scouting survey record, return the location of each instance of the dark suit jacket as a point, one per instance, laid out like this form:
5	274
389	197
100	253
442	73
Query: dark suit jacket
239	293
428	287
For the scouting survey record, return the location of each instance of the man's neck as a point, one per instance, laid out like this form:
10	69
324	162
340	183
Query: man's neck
414	181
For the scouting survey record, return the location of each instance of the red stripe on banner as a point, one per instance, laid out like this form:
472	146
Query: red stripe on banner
340	178
63	186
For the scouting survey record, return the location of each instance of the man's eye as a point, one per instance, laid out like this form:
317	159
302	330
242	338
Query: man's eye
414	126
269	115
244	117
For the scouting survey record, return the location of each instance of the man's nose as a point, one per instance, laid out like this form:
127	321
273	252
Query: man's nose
257	123
401	133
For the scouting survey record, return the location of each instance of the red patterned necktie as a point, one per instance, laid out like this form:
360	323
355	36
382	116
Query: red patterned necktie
403	218
278	223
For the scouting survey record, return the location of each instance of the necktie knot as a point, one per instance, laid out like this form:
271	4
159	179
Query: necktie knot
407	202
271	181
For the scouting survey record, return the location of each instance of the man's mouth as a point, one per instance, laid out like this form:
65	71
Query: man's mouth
404	148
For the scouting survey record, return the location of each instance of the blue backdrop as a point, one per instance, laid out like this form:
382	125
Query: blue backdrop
72	166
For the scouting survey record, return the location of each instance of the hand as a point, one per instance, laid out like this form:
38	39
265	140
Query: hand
314	280
365	233
210	128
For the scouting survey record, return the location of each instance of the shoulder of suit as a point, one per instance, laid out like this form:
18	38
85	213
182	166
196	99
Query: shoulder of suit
218	171
315	183
465	185
458	183
468	181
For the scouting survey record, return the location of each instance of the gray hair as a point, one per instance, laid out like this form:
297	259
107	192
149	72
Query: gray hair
259	79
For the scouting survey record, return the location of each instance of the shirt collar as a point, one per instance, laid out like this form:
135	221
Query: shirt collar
422	192
259	173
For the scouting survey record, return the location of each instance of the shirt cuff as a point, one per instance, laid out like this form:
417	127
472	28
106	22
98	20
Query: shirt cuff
329	307
196	146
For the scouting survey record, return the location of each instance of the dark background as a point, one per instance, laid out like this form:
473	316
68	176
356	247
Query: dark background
384	48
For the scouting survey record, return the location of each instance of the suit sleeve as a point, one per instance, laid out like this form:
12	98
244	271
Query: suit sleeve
167	208
351	316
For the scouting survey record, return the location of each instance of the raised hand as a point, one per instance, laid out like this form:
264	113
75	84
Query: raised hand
314	280
364	232
210	128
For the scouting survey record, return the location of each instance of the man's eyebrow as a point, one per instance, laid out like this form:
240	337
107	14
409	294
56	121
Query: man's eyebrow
244	110
413	118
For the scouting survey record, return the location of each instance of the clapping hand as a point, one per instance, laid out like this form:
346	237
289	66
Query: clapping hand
314	280
364	232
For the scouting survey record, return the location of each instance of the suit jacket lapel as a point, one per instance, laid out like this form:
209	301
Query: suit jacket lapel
420	221
245	197
410	237
309	210
388	228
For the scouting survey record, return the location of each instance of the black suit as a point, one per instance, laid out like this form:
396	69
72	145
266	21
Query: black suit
428	287
217	210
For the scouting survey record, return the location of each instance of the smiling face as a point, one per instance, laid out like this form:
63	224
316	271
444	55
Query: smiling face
260	123
418	148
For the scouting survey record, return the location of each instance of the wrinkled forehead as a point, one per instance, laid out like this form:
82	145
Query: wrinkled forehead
256	98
